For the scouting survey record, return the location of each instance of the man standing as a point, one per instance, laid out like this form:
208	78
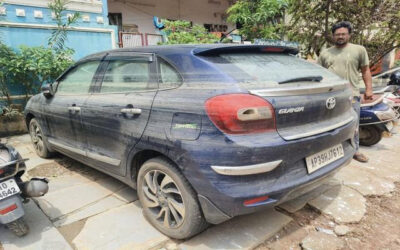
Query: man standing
346	60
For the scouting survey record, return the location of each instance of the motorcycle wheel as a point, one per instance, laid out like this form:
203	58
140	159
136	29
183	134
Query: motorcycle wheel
18	227
370	135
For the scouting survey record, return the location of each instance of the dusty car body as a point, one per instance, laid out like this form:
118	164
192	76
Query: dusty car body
232	128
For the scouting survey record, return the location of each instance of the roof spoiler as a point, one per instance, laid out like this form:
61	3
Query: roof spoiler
244	49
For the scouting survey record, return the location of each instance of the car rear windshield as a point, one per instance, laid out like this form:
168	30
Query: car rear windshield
253	68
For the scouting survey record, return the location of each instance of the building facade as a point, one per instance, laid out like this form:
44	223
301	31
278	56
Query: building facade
137	19
104	24
30	23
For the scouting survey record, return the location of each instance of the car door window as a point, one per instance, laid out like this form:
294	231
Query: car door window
169	77
79	79
127	76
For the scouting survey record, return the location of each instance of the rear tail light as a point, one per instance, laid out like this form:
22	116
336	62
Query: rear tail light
241	113
8	209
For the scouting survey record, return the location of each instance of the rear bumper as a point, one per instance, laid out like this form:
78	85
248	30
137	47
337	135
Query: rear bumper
214	215
223	196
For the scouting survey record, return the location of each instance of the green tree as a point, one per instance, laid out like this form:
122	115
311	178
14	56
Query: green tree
7	57
259	18
182	32
31	67
376	24
59	36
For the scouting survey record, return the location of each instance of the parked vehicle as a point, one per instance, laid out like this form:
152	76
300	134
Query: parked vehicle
384	78
393	94
13	190
203	132
375	118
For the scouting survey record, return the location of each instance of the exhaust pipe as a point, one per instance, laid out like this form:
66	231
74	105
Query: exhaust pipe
36	187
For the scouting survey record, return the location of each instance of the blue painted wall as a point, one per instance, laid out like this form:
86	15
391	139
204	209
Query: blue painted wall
83	42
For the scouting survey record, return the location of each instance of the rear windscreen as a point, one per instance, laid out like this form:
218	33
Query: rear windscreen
263	68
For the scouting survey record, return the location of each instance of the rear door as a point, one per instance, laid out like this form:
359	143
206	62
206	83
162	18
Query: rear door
63	110
117	114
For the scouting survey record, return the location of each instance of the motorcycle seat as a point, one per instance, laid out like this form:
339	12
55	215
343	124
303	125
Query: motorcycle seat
375	100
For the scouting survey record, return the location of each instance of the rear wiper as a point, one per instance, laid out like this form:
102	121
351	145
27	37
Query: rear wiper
303	79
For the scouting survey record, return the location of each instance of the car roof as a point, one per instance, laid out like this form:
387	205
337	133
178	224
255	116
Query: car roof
185	58
196	49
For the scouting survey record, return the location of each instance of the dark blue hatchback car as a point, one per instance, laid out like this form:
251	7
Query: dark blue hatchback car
203	132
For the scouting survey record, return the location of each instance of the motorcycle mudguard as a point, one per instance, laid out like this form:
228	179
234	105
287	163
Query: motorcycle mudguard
16	213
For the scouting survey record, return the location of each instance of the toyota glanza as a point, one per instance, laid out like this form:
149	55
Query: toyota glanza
203	132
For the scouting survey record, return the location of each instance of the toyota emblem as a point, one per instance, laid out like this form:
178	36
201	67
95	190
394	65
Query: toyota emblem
330	103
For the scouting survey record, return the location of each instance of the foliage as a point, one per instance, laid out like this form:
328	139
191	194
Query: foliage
7	57
259	18
375	22
33	66
397	63
182	32
59	36
10	113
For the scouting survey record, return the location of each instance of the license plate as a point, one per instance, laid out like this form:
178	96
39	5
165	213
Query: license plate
323	158
8	188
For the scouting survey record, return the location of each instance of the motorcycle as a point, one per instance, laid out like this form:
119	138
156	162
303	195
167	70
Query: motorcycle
14	191
375	118
393	95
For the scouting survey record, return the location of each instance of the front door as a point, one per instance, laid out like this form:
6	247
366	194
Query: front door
116	116
63	111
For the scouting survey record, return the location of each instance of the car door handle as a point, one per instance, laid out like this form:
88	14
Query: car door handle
74	109
134	111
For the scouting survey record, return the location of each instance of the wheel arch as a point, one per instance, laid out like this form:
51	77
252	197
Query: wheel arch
29	116
141	157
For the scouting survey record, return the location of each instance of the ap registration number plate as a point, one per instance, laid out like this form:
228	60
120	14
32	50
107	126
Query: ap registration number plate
8	188
323	158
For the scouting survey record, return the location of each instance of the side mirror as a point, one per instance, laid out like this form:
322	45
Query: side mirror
47	90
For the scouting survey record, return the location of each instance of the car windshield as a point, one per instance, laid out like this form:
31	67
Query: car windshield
275	69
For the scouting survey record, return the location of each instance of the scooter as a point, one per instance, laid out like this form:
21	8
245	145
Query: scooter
375	118
14	191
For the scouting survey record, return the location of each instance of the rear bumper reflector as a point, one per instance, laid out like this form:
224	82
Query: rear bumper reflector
255	201
8	209
247	170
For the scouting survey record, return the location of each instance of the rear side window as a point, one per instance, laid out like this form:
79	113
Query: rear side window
169	77
127	76
267	68
79	79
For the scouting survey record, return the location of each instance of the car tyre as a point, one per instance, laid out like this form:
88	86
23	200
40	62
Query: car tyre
370	135
38	139
169	202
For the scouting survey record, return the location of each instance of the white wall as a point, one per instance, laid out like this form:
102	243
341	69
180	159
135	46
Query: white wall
141	12
78	5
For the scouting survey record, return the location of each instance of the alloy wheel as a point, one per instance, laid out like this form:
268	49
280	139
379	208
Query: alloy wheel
163	199
37	137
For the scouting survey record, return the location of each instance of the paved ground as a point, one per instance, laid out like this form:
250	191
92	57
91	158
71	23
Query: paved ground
86	209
